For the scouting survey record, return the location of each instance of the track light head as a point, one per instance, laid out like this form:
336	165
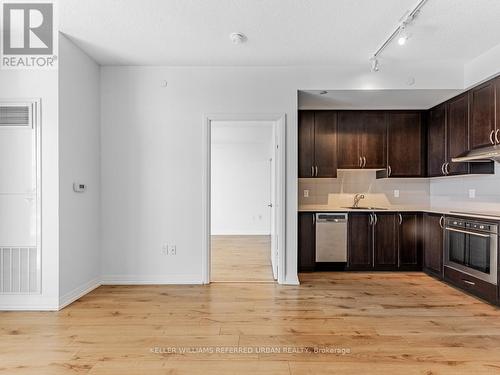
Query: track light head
374	64
402	35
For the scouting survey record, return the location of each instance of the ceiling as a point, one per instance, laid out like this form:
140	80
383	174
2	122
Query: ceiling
374	99
291	32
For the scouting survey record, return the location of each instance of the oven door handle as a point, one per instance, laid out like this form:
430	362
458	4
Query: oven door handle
467	232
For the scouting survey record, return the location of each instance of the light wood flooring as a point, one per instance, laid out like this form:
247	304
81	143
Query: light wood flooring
241	259
392	323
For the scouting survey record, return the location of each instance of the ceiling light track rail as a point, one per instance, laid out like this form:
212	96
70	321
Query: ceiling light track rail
400	29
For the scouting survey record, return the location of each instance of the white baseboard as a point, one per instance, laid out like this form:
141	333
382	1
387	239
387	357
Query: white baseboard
28	303
151	279
78	292
292	280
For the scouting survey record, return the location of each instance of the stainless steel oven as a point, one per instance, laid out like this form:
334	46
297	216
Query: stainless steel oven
472	247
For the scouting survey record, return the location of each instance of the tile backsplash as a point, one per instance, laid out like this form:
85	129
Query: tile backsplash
469	193
339	191
454	192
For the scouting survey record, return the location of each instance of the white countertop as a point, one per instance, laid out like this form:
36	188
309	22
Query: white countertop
436	210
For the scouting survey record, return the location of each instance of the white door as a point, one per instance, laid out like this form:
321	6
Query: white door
19	257
274	190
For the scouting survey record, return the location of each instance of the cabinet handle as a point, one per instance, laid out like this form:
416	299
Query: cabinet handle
316	168
389	171
447	168
491	137
364	161
468	282
312	170
314	219
496	136
375	218
361	162
442	169
400	217
370	221
441	222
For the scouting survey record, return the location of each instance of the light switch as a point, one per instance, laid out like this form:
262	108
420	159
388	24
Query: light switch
472	193
306	193
396	193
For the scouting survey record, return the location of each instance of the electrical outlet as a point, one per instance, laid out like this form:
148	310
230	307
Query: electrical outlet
306	193
396	193
472	193
172	250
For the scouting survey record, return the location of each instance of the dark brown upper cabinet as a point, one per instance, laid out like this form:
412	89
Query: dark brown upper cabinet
406	144
483	130
457	140
317	144
362	140
436	141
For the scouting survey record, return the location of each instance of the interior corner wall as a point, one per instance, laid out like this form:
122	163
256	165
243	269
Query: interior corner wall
79	161
40	85
152	160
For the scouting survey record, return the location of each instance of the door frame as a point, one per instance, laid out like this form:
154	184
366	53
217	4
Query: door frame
279	125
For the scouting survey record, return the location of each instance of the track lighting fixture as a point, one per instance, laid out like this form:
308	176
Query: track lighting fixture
400	33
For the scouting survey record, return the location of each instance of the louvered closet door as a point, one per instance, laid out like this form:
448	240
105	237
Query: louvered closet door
19	258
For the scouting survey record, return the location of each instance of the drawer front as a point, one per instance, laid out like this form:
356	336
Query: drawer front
471	284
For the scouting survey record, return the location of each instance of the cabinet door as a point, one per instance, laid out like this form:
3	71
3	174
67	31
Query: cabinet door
306	242
482	121
325	143
406	140
458	133
436	140
433	244
306	144
410	256
349	127
360	242
374	140
385	241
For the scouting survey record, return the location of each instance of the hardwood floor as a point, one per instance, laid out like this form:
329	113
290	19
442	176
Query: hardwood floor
387	323
241	259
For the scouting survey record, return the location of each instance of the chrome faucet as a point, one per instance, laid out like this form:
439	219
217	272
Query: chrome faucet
357	198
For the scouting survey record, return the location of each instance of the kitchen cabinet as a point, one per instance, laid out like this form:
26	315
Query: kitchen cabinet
436	141
317	148
471	284
385	227
306	242
457	134
406	144
433	244
360	242
362	140
409	241
482	120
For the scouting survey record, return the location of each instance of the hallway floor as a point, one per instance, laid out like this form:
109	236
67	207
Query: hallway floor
241	259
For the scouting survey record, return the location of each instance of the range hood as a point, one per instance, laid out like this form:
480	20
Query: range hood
480	155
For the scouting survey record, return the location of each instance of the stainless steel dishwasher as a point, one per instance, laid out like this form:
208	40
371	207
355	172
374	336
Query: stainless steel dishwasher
331	237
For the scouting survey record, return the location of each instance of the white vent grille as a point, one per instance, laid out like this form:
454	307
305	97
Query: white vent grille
19	270
15	115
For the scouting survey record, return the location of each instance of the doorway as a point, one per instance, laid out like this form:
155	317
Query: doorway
244	210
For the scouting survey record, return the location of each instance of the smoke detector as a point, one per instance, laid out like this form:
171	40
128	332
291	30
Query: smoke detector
238	38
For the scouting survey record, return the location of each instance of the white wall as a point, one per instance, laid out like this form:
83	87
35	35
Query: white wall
29	84
241	178
152	159
79	161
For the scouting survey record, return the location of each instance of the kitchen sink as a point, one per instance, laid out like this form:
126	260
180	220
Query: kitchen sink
365	208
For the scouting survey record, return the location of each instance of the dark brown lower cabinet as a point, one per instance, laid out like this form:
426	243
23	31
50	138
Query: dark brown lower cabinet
433	244
385	241
360	242
410	241
471	284
306	242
